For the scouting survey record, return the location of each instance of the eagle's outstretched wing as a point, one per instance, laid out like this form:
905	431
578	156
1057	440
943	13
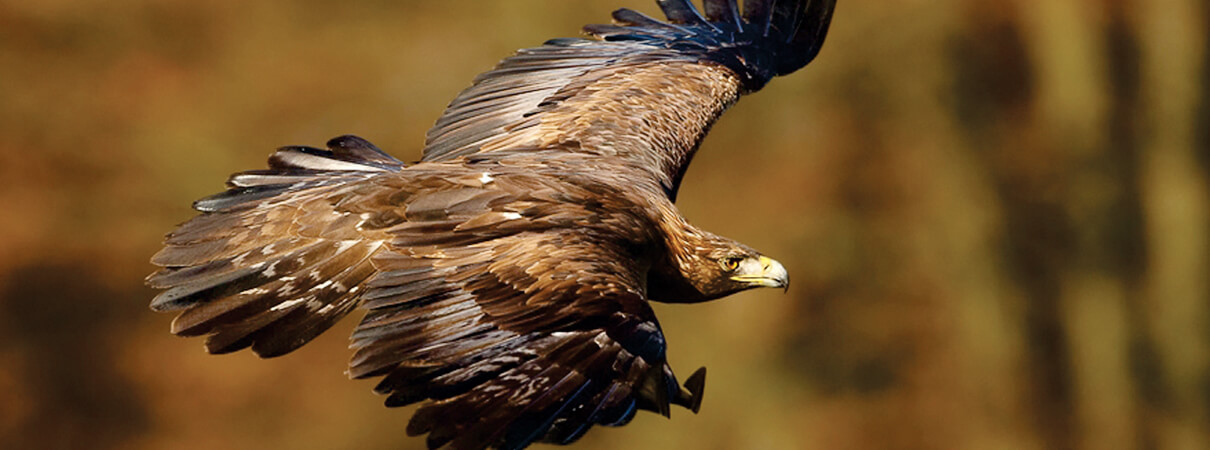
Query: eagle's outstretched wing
275	260
643	90
527	337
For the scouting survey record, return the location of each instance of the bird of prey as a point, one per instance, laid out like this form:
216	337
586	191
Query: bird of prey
505	278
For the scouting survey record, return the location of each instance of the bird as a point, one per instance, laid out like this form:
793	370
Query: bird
505	279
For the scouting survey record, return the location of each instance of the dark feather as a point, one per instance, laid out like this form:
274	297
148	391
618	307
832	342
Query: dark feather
808	36
354	149
682	12
759	15
631	18
725	12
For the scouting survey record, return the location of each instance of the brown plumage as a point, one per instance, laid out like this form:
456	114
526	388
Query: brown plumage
505	277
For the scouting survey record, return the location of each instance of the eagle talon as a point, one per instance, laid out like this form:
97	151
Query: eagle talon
696	384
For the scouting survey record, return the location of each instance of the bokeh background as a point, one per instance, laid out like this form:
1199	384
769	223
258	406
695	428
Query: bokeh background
996	214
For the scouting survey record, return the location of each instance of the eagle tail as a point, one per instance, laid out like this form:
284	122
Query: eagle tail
768	38
271	263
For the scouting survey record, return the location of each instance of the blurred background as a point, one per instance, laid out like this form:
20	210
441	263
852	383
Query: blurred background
996	215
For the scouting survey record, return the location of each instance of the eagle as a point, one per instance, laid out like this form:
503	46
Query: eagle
505	279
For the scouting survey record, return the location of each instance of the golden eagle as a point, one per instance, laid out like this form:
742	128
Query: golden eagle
505	277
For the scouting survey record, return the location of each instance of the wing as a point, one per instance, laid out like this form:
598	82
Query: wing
534	336
643	90
278	258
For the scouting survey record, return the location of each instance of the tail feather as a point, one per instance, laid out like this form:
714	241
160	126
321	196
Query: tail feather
273	262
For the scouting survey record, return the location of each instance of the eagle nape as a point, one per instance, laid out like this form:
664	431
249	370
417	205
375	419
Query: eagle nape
505	279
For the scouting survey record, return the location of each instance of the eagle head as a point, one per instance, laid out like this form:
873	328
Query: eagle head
708	266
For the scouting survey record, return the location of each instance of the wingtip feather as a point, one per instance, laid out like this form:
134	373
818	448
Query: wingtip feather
682	12
723	11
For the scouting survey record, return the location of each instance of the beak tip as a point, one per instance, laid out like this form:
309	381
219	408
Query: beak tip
773	274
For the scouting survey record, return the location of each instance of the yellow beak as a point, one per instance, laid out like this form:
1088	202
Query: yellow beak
763	272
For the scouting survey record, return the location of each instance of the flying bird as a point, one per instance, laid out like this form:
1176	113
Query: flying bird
505	278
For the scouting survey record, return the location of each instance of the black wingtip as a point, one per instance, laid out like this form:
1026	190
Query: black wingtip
769	38
723	11
682	12
808	34
759	13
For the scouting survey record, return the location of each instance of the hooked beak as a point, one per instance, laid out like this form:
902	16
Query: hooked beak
764	272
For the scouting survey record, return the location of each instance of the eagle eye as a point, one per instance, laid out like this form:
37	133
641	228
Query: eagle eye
731	263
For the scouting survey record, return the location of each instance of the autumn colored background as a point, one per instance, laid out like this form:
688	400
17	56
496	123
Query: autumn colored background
996	215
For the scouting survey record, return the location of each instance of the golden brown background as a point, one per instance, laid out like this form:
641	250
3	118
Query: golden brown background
996	215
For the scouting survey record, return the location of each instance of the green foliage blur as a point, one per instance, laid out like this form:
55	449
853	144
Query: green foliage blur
996	215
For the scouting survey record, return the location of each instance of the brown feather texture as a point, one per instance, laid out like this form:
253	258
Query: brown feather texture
505	278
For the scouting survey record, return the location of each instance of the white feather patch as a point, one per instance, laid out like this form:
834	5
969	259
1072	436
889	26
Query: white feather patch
344	245
271	271
286	304
300	159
